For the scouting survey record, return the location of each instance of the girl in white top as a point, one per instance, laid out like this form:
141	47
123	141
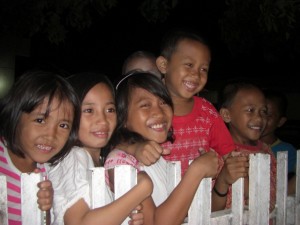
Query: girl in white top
70	181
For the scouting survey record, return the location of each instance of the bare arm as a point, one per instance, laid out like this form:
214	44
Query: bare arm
176	206
113	213
233	168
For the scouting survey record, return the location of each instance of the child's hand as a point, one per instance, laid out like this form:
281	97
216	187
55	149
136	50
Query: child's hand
149	152
234	168
45	195
209	163
137	217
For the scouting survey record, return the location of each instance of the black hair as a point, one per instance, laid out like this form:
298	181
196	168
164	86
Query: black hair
27	93
84	82
230	90
127	83
172	38
279	98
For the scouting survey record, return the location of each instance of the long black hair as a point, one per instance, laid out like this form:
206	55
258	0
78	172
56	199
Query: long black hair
124	89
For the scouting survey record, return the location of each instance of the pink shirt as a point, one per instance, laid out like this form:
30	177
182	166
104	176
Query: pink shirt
13	177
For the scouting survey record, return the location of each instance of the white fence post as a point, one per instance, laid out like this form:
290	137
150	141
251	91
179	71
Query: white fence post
125	179
281	189
287	207
31	214
297	195
259	189
3	201
97	187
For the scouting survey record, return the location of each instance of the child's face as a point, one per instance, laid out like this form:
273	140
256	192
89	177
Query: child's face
98	117
273	118
248	116
187	70
149	115
42	137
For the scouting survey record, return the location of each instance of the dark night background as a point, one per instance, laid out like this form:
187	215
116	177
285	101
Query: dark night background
255	39
111	37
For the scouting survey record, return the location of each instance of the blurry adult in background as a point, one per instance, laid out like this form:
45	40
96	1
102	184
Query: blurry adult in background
277	107
142	61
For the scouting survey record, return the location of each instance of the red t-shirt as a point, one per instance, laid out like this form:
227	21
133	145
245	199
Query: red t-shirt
203	128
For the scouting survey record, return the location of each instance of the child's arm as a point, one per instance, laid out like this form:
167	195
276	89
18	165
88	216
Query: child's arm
147	152
233	169
175	208
113	213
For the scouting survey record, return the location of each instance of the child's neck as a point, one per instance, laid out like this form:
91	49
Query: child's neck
95	154
25	165
182	106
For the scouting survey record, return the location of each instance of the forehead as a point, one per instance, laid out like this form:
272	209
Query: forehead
193	47
56	105
138	94
99	92
247	95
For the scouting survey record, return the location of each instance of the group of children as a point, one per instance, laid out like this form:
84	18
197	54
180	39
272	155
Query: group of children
61	127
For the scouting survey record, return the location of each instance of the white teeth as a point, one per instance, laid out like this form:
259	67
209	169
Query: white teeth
157	126
190	84
44	147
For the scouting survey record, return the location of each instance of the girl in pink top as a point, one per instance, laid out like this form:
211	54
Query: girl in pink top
38	124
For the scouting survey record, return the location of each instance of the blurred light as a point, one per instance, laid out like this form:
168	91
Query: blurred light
6	80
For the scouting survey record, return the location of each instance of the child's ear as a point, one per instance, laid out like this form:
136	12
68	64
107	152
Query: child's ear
161	63
282	121
225	114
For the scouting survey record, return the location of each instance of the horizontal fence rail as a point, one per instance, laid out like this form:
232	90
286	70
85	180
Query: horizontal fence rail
287	210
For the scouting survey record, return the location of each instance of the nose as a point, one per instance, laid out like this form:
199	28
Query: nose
51	132
101	118
157	111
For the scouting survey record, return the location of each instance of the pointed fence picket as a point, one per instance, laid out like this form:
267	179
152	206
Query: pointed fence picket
287	210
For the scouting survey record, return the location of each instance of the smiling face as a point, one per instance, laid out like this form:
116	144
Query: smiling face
40	136
98	117
149	115
247	116
187	69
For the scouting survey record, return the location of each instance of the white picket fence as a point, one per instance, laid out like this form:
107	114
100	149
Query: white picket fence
287	210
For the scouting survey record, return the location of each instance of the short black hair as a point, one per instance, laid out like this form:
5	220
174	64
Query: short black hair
172	38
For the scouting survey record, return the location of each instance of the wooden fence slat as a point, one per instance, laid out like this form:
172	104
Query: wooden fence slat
287	207
31	214
259	186
297	195
3	201
126	178
281	192
238	202
97	185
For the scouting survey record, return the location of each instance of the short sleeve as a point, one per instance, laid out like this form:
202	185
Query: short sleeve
70	182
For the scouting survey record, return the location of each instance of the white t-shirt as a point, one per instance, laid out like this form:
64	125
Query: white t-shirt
70	182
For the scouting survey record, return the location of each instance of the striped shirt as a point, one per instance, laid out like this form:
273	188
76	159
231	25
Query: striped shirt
13	177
